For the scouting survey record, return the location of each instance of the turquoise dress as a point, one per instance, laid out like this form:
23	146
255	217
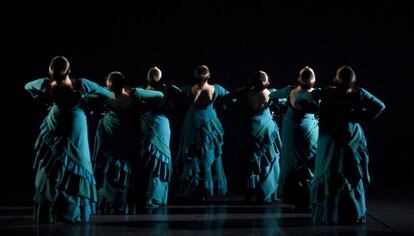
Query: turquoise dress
299	138
260	146
155	148
341	164
116	152
64	182
199	163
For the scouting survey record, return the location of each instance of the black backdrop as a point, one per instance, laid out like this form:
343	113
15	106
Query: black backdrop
233	38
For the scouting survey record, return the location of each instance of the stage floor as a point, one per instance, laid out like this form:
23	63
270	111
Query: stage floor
386	217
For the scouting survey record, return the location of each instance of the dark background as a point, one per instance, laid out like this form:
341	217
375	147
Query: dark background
233	38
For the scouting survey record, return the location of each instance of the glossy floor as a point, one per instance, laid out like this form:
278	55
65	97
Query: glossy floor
385	217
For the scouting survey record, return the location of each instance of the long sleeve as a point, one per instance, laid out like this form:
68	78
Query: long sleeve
305	96
178	99
94	102
220	91
177	95
186	90
174	90
235	94
38	90
90	87
306	101
279	93
371	105
148	95
230	99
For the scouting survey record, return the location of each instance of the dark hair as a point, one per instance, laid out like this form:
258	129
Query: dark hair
345	77
306	78
259	80
116	81
202	74
59	68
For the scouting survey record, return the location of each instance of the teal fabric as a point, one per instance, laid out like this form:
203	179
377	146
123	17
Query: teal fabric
116	153
299	138
260	146
155	150
113	156
157	133
65	185
265	154
341	164
199	163
156	156
37	89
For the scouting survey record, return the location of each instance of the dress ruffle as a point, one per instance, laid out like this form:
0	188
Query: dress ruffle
63	186
334	200
53	155
264	162
209	142
157	162
338	192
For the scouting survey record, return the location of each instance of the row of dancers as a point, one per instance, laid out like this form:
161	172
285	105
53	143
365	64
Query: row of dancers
320	159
